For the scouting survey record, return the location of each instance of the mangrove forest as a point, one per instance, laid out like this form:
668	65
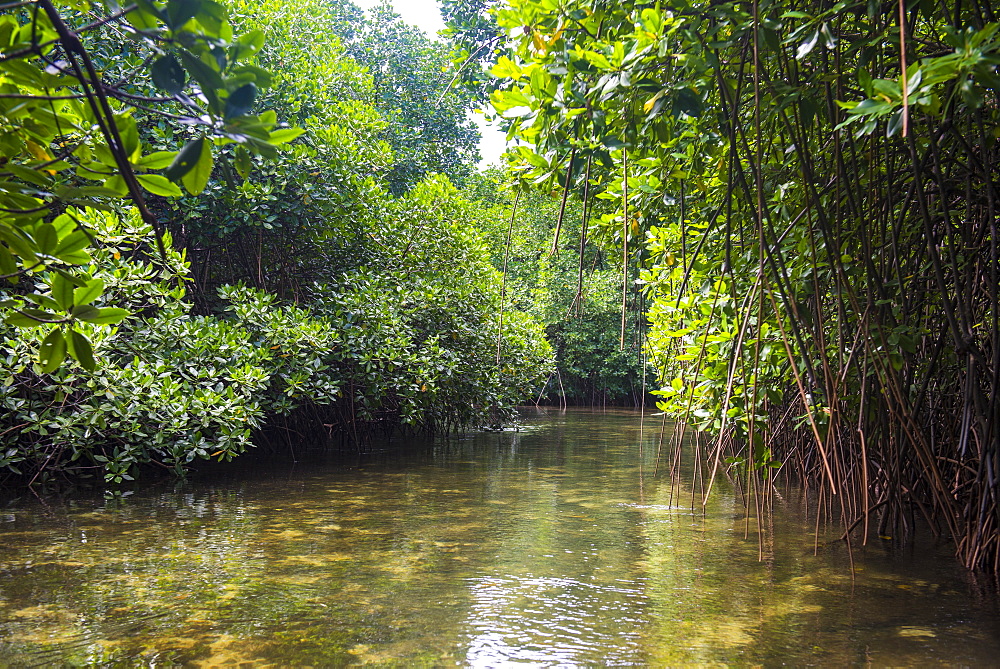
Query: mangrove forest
249	231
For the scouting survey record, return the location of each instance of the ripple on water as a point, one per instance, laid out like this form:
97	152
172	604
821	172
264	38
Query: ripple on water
555	621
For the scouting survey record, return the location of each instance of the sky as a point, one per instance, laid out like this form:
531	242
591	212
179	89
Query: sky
426	15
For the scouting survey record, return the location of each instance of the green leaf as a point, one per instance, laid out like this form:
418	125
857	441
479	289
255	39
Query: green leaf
63	224
117	184
972	95
241	100
107	316
807	46
41	314
505	68
871	108
31	176
76	257
246	45
204	74
7	264
865	80
52	351
258	75
213	19
168	74
156	160
62	291
159	185
197	178
829	41
89	293
75	279
22	320
19	243
243	162
888	88
180	12
142	20
285	135
185	160
895	123
81	349
688	102
772	38
129	132
84	312
47	238
268	118
71	243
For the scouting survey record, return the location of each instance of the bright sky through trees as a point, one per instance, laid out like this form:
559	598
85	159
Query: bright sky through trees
426	15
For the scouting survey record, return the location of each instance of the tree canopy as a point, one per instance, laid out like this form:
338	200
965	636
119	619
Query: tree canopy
209	299
807	194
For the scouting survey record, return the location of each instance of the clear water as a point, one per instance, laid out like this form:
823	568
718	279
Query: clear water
554	546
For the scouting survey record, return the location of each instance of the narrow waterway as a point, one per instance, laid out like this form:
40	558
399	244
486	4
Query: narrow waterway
551	546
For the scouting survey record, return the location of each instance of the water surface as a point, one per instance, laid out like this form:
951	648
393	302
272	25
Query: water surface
552	546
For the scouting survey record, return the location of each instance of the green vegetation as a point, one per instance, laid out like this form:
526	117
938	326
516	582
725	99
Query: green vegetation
195	300
571	285
809	190
220	221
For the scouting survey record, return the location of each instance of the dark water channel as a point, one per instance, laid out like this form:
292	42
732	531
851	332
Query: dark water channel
554	546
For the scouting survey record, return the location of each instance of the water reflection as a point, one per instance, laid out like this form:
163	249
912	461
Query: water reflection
553	621
550	547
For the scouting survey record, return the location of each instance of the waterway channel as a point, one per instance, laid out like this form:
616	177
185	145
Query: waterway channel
554	545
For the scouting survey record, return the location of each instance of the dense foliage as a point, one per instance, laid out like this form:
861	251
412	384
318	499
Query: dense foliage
573	287
71	102
813	185
326	290
429	131
174	386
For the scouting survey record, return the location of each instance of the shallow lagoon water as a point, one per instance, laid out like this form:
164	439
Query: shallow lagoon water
551	546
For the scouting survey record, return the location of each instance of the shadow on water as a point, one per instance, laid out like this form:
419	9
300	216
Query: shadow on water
553	545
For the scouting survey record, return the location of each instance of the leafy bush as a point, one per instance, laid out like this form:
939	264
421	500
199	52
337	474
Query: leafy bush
413	347
312	293
579	300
